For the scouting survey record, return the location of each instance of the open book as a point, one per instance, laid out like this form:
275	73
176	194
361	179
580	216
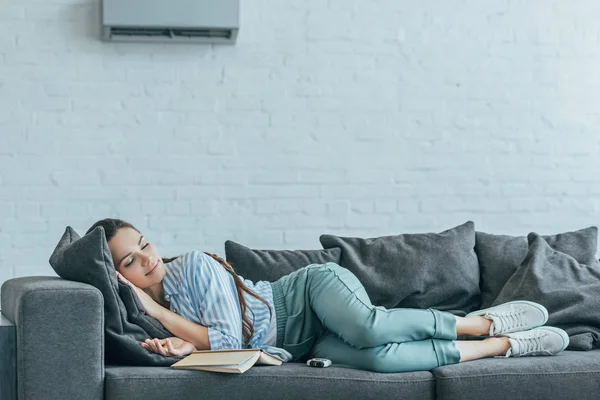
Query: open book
230	361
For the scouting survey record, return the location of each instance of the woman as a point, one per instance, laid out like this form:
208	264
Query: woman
321	310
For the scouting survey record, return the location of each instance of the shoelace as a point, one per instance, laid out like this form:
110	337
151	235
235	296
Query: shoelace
529	345
512	319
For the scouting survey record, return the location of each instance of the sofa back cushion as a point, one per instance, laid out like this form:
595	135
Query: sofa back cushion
270	265
500	255
88	260
567	288
415	270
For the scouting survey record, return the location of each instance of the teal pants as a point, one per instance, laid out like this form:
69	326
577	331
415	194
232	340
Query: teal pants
323	310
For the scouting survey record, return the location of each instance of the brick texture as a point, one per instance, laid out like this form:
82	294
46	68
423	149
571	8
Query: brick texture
341	116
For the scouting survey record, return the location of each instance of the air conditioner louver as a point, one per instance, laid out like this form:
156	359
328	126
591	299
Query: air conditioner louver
139	32
205	33
187	34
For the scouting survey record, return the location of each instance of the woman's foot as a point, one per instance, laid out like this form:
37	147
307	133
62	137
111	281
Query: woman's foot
542	341
514	316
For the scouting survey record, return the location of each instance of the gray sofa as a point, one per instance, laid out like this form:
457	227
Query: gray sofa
62	324
60	355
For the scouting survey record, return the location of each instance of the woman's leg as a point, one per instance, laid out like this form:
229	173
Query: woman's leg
422	355
476	349
342	305
475	325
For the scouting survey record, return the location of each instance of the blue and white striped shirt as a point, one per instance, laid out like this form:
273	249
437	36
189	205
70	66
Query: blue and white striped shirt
201	290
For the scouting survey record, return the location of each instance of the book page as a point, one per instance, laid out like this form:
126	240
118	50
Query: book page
215	358
229	368
268	359
224	358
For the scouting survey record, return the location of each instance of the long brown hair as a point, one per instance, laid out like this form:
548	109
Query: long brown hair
112	225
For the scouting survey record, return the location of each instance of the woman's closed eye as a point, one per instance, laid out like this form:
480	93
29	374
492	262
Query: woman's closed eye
133	258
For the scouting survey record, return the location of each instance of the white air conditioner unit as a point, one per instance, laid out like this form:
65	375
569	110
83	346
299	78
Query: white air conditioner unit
200	21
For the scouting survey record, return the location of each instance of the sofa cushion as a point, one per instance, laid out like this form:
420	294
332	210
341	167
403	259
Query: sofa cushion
88	259
419	270
569	290
288	381
566	376
500	255
270	265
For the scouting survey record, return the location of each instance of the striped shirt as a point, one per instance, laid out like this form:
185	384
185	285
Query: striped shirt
201	290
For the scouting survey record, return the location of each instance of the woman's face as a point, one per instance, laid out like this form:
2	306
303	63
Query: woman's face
136	258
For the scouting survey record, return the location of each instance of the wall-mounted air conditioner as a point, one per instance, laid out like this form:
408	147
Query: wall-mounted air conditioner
200	21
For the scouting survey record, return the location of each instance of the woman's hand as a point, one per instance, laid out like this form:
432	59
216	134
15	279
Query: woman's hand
172	346
151	307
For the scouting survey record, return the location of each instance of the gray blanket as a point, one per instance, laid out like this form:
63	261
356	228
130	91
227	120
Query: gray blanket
569	290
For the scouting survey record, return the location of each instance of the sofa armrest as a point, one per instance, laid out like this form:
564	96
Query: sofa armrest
60	337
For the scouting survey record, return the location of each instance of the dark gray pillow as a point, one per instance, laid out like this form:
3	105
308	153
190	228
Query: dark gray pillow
270	265
420	270
567	288
500	255
87	259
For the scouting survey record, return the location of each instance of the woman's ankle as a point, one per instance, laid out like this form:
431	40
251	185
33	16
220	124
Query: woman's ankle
474	325
498	345
475	349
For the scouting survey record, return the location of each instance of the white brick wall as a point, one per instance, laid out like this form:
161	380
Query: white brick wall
341	116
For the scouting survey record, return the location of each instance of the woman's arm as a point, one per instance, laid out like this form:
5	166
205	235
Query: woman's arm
189	331
214	295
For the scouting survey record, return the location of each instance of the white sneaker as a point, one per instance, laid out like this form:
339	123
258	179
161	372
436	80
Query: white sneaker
514	316
542	341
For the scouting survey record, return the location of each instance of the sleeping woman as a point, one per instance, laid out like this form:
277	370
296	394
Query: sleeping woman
321	310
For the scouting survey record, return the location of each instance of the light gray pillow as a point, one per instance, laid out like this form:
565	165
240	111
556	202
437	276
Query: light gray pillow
88	260
270	265
420	270
567	288
500	255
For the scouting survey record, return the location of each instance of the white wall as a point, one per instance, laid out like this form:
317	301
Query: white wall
351	117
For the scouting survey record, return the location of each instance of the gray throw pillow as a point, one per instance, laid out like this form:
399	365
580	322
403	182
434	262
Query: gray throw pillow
567	288
500	255
420	270
88	260
270	265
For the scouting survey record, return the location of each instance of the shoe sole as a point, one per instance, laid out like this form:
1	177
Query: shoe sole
531	303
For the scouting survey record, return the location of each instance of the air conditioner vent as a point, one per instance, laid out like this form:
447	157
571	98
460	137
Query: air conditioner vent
166	34
205	33
139	32
171	33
